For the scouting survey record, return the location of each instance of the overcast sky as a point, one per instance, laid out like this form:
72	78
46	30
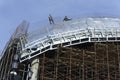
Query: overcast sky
12	12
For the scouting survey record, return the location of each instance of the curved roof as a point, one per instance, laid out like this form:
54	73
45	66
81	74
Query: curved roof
74	24
70	33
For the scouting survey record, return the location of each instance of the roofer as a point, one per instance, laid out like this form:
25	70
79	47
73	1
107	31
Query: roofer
51	19
66	18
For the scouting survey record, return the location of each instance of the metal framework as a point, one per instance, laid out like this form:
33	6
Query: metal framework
44	44
13	46
89	61
88	53
6	62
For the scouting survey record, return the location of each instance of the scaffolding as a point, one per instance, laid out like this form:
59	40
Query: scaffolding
11	49
6	62
89	61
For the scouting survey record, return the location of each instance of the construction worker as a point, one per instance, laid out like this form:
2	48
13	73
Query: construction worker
66	18
51	19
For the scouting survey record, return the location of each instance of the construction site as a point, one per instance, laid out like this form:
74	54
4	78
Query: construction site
81	49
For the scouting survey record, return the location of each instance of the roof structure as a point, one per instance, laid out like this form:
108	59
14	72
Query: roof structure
75	24
72	32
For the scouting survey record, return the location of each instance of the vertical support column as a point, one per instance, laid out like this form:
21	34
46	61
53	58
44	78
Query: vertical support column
35	68
43	66
11	57
70	56
56	67
3	69
96	72
83	64
23	72
118	59
4	62
7	63
107	55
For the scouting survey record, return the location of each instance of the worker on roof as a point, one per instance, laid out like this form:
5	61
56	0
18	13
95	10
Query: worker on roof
51	19
66	18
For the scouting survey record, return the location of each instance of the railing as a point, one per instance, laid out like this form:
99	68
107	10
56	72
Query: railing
50	42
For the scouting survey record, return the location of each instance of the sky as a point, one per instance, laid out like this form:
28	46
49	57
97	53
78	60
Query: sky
13	12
